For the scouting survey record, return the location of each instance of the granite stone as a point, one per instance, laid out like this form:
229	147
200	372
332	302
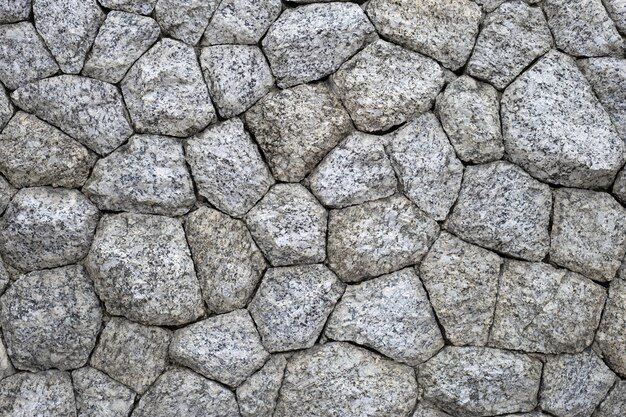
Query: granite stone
45	394
98	395
241	21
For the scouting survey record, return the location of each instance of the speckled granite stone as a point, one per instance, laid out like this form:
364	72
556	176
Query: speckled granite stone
427	410
611	335
45	394
14	10
6	107
98	395
241	21
614	405
130	6
617	11
185	20
258	395
6	194
6	368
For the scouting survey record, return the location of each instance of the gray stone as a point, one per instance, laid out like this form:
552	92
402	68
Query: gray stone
185	19
146	175
226	348
241	21
619	187
310	42
130	6
429	172
258	395
122	39
503	208
6	193
98	395
617	11
544	309
555	128
6	368
5	279
14	10
426	410
228	263
339	379
292	304
377	238
614	405
228	168
90	111
462	284
477	381
34	153
142	269
179	107
46	227
491	5
6	108
42	394
385	84
289	225
611	335
131	353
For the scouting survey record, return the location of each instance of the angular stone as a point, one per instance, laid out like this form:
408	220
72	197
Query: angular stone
289	225
6	194
6	368
619	187
46	394
34	153
98	395
330	380
6	108
544	309
617	11
185	19
130	6
122	39
14	10
5	279
241	21
46	227
226	348
142	269
462	284
228	168
131	353
88	110
179	107
429	172
377	238
146	175
258	395
614	405
228	263
426	410
292	304
555	128
611	335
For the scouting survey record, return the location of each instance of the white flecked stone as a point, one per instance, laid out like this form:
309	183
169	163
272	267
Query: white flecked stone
241	21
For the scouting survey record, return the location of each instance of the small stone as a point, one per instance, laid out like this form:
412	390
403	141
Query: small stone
377	238
185	19
6	368
122	39
614	405
131	353
289	225
611	336
574	385
45	394
226	348
619	187
617	11
477	381
340	379
98	395
131	6
356	171
544	309
462	283
6	194
426	410
292	304
5	279
258	395
385	84
228	263
46	227
429	172
34	153
88	110
179	107
241	21
6	107
142	269
14	10
146	175
278	120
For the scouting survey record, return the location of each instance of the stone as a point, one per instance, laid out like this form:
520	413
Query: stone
237	76
444	30
426	410
617	11
6	194
122	39
142	269
478	381
278	120
147	175
184	19
329	380
34	153
6	368
6	107
226	348
46	227
228	168
512	37
90	111
390	314
229	265
378	237
611	335
258	395
428	170
544	309
384	85
132	353
131	6
179	107
292	304
241	21
574	385
619	187
614	405
14	10
501	207
180	392
98	395
23	55
5	278
355	171
469	112
45	394
68	27
289	225
462	284
555	128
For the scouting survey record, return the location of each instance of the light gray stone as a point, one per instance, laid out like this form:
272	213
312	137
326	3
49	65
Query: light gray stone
14	10
130	6
619	187
426	410
185	20
6	368
42	394
98	395
5	279
614	405
617	11
241	21
611	335
491	5
258	395
6	107
6	193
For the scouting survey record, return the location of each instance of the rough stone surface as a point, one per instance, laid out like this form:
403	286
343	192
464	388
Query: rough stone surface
611	336
6	107
185	19
614	405
241	21
6	194
6	368
617	11
619	187
14	10
45	394
426	410
257	396
130	6
98	395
